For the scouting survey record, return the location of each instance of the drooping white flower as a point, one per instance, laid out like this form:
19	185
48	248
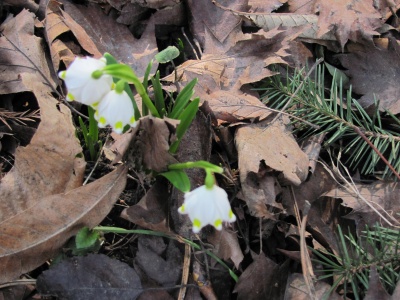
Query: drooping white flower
207	206
116	110
83	83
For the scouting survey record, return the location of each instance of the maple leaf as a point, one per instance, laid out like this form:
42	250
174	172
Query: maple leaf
355	20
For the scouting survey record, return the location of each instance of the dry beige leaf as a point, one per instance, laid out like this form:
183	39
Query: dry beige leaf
383	196
348	20
149	148
261	149
226	245
221	76
265	6
257	280
50	164
110	36
18	32
206	17
296	289
55	26
151	211
39	230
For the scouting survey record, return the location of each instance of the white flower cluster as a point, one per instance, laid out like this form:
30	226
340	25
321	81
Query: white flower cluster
88	85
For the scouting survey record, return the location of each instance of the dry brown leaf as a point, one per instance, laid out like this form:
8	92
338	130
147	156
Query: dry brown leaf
151	211
20	31
226	246
156	4
37	231
376	289
53	151
296	289
383	196
222	75
348	20
318	183
149	148
57	23
262	6
110	36
306	23
374	71
27	4
257	280
221	23
260	148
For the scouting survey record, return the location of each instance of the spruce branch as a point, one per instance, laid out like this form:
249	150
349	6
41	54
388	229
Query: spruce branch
336	113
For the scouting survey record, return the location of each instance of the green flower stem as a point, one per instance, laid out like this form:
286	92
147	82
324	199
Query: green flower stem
120	86
210	180
175	237
125	72
209	167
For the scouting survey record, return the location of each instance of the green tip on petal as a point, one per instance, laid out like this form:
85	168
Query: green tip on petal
102	121
132	121
118	125
181	209
231	215
218	224
62	75
70	97
196	223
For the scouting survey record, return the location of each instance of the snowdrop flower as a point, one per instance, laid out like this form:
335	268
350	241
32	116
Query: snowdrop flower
116	110
207	206
85	81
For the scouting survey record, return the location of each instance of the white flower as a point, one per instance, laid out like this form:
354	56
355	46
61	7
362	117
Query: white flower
116	110
207	206
82	85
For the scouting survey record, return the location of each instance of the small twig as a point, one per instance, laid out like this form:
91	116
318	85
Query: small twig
18	282
190	44
185	272
360	133
298	89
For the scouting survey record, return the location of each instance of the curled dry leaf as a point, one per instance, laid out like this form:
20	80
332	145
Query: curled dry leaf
226	245
296	289
378	196
42	202
257	280
36	233
110	36
57	23
151	211
50	163
149	148
19	30
260	148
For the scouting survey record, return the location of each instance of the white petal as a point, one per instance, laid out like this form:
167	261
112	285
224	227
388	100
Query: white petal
207	206
115	110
